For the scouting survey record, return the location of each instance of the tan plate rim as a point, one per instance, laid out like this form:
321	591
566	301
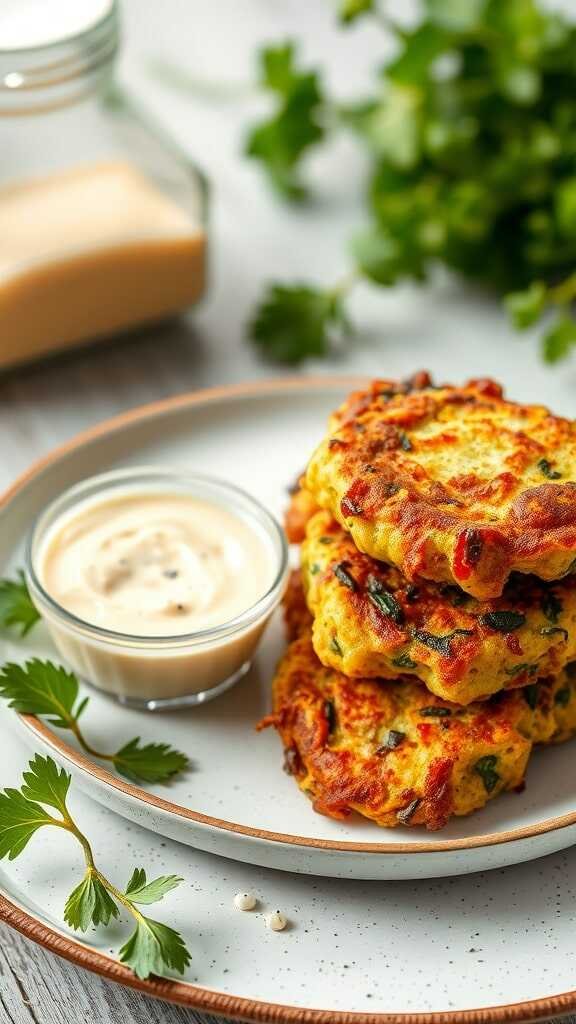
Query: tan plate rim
184	993
157	409
239	1008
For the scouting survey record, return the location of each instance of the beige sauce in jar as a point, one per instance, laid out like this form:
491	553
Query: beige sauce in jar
88	252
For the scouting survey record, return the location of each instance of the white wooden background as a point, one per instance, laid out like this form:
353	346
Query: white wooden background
448	329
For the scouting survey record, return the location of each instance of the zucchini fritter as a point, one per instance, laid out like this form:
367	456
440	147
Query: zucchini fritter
396	754
455	484
370	621
301	508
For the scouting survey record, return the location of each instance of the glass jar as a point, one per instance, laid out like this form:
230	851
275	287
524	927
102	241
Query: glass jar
102	217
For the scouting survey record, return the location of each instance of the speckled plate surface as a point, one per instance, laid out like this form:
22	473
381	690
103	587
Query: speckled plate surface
479	948
235	800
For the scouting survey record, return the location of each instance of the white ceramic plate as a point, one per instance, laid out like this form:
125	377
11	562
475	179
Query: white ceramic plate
235	800
479	949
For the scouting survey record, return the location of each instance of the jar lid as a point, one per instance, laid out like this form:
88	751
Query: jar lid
30	23
53	51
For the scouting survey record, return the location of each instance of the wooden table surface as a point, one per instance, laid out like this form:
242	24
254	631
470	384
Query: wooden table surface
253	238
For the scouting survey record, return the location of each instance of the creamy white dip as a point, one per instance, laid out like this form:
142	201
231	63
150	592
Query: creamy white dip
155	564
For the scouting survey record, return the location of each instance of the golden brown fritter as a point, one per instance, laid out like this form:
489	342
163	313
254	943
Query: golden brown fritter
370	621
301	507
396	754
455	484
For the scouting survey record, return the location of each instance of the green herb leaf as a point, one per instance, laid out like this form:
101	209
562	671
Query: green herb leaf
531	695
380	257
277	68
558	340
154	948
153	762
343	576
46	783
468	131
440	644
404	661
420	48
141	891
485	767
19	820
551	606
89	903
350	10
455	15
551	630
523	666
435	711
545	467
335	646
385	602
280	142
525	308
330	715
297	322
16	608
41	688
505	621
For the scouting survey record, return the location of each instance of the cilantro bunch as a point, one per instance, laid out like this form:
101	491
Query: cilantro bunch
471	131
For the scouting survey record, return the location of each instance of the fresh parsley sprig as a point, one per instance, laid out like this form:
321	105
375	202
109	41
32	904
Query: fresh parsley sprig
153	947
42	688
470	132
299	321
296	123
16	608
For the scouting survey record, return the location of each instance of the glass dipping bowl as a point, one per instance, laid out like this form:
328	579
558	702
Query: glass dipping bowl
154	672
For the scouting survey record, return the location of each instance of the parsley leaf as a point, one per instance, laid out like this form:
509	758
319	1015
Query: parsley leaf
350	10
296	322
153	762
16	608
42	688
551	605
440	644
525	308
505	621
343	576
384	601
296	125
404	661
558	340
468	131
89	903
152	948
141	891
19	820
46	783
545	467
485	767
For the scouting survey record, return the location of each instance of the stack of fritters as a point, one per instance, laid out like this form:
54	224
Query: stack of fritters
433	623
